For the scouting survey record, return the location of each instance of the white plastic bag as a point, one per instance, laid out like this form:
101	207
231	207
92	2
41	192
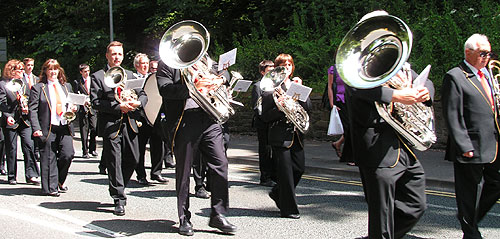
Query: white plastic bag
335	126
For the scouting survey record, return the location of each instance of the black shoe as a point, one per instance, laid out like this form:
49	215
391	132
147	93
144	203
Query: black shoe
275	198
143	181
220	222
160	179
12	182
202	193
119	210
268	183
292	216
102	171
169	165
53	194
62	188
33	181
85	156
94	154
186	228
3	172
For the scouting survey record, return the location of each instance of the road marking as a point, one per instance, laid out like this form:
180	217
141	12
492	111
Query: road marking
454	209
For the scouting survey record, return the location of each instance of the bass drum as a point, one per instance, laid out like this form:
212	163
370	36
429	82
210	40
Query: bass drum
153	106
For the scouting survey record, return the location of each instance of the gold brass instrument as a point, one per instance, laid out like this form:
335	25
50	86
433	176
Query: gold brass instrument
69	116
494	70
16	86
289	105
184	46
370	55
115	78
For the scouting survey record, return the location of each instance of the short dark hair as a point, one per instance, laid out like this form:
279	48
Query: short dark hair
264	64
83	66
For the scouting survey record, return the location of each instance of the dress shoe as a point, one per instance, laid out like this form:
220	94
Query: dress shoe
160	179
3	172
143	181
94	154
186	228
169	165
220	222
275	198
62	188
292	216
267	183
119	210
53	194
33	181
12	182
202	193
85	156
102	171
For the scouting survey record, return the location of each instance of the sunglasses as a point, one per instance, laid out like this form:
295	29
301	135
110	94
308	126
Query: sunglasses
485	54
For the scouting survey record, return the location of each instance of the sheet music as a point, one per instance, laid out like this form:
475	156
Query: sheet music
299	91
420	81
227	59
134	84
242	85
77	99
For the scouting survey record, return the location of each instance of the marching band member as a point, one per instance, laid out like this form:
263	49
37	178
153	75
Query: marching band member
118	127
48	103
87	116
14	120
287	144
471	117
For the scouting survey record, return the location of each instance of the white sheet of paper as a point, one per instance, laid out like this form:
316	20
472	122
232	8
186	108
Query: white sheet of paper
134	84
300	91
77	99
242	85
420	81
227	59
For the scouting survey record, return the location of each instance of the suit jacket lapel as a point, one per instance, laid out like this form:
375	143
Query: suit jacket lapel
45	90
84	86
469	75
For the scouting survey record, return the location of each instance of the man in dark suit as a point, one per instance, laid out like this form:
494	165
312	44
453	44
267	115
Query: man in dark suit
471	116
193	132
30	79
267	165
118	127
86	115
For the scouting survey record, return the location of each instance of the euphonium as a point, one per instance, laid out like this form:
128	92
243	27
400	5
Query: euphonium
16	86
370	55
494	70
294	112
184	46
115	78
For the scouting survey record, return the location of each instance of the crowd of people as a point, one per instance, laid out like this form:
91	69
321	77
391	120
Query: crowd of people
38	110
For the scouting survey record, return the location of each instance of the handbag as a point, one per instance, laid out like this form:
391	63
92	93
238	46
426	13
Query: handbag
335	125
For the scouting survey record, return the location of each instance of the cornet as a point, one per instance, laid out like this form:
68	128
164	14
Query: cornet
115	78
16	86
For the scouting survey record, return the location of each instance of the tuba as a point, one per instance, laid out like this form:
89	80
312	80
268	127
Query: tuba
289	105
184	46
115	78
16	86
370	55
494	70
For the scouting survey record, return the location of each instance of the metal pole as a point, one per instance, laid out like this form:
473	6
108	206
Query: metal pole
110	20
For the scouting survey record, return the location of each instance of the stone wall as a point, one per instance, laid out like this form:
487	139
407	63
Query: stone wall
241	122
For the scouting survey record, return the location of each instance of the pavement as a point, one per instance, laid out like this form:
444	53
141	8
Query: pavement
321	158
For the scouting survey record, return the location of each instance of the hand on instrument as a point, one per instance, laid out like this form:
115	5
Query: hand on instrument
38	133
125	107
423	94
406	96
11	121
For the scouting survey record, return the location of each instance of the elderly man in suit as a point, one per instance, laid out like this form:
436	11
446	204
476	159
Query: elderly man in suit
118	127
471	116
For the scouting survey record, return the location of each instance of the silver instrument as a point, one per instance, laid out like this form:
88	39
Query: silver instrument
370	55
184	46
289	105
115	78
16	86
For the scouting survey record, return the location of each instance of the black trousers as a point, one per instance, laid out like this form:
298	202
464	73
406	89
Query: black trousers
396	197
291	166
122	156
56	155
347	154
267	164
200	134
477	189
30	166
88	125
2	150
157	152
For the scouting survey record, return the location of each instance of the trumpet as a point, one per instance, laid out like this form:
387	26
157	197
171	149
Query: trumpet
69	116
115	78
17	86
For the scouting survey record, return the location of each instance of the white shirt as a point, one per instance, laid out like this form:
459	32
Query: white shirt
56	119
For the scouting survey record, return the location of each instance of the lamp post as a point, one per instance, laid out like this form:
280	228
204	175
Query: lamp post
110	20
